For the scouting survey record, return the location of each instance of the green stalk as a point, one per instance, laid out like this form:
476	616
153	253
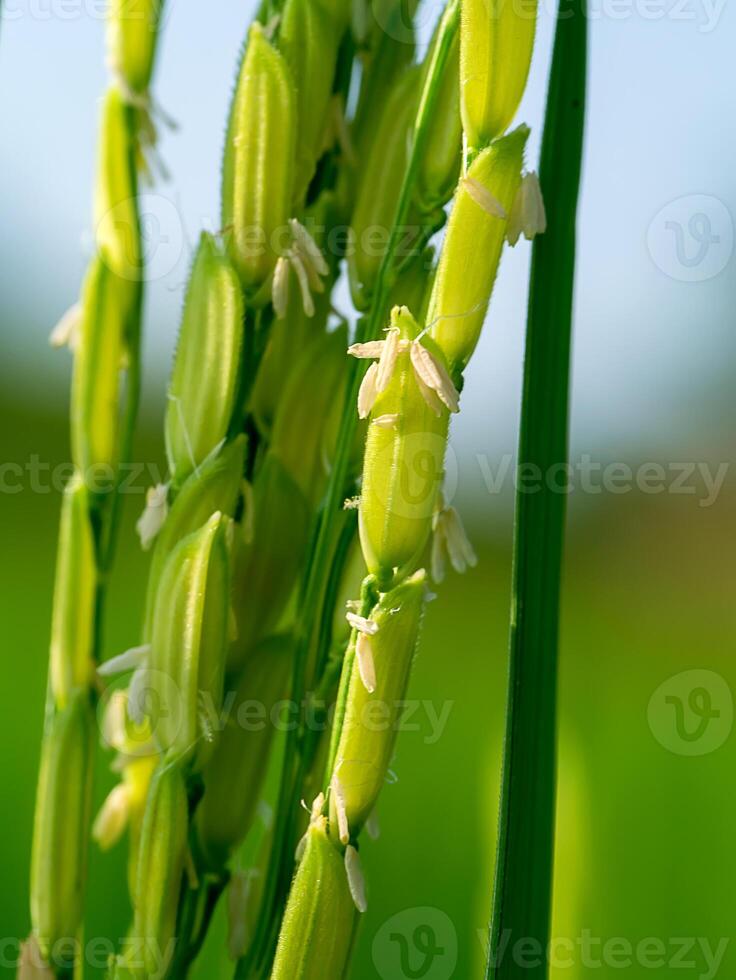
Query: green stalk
318	565
523	882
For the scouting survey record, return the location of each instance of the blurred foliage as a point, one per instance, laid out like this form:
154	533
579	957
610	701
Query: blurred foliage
645	841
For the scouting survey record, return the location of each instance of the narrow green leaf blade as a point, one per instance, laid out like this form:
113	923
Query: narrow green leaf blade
523	883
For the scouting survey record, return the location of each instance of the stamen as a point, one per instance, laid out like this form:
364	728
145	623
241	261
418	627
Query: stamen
366	664
154	514
450	539
387	362
356	881
280	287
528	215
112	819
483	198
429	395
386	421
434	374
66	331
370	349
307	245
124	662
368	393
114	730
362	624
372	827
318	805
301	274
459	548
137	691
342	814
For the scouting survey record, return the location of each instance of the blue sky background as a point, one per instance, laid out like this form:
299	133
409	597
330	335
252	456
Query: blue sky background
653	353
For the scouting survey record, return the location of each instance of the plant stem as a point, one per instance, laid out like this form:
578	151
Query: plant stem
523	882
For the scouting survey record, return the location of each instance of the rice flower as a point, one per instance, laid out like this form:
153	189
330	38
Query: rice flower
439	166
309	37
496	43
96	384
204	379
320	918
188	641
472	249
404	462
258	166
528	216
161	859
116	221
59	856
72	623
215	486
369	727
132	35
379	187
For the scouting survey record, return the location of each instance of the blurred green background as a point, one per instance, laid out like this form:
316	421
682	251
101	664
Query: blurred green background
645	838
646	856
